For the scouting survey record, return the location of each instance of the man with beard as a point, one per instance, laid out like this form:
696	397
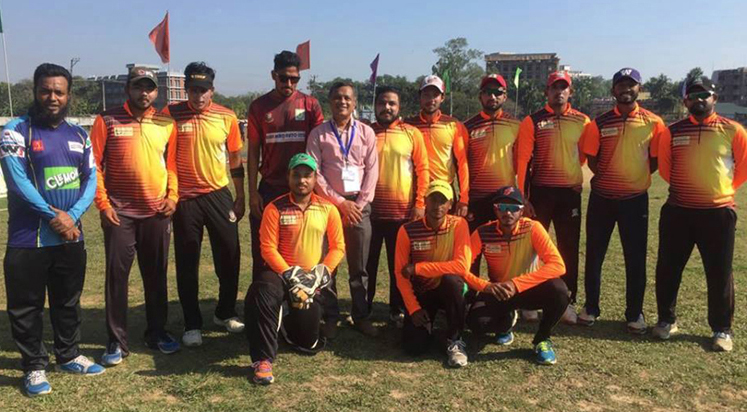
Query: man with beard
704	160
445	138
621	146
51	178
345	150
400	190
136	194
278	124
294	228
205	130
548	170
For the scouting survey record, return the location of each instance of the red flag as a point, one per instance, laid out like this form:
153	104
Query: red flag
159	36
302	50
374	69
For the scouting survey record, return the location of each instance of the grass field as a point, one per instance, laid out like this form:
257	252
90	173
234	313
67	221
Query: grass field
599	369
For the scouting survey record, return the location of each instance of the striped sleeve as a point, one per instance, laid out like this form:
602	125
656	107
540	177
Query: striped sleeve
739	151
269	235
172	185
460	153
420	158
335	240
665	154
233	141
402	259
525	143
590	139
98	140
552	267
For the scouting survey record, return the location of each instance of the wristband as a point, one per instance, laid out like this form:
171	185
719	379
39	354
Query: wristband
237	172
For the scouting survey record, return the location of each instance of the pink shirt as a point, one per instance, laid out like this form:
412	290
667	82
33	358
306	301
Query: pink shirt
323	146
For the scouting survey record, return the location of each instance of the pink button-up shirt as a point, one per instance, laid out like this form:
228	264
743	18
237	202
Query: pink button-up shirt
323	146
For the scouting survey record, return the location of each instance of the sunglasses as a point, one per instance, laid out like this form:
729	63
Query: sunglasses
508	207
495	92
284	79
699	95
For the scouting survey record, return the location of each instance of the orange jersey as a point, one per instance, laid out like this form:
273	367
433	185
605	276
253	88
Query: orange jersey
446	140
403	171
550	141
134	171
490	153
434	253
290	236
201	140
513	258
622	147
704	163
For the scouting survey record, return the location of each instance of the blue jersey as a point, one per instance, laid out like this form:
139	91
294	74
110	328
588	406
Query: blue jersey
45	167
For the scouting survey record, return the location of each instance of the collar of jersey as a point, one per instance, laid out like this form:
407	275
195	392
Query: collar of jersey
148	112
567	109
489	117
632	113
516	228
705	121
435	119
443	226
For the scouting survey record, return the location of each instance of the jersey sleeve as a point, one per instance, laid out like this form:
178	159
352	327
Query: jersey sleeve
590	139
172	184
87	172
739	151
460	153
335	240
552	267
253	128
269	236
420	158
659	129
402	259
525	143
665	154
98	142
233	141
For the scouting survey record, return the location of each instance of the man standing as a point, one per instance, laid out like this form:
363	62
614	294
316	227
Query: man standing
294	229
51	178
704	160
445	138
136	194
621	146
400	190
345	150
548	170
278	124
204	131
511	245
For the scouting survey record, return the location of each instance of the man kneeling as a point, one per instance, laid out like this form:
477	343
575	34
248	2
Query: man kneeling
291	238
511	246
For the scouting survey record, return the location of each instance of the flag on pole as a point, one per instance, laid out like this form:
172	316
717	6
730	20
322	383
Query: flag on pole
374	69
159	36
1	23
447	81
516	77
303	51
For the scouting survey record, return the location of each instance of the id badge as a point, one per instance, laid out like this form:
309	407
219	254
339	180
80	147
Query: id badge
350	179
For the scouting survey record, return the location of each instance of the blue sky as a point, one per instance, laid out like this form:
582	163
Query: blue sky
240	38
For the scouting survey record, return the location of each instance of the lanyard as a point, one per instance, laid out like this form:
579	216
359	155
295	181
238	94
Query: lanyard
345	149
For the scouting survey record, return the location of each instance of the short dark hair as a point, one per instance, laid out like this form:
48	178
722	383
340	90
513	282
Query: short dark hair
198	68
45	70
387	89
339	84
286	59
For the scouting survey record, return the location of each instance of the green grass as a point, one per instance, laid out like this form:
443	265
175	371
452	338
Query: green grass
599	369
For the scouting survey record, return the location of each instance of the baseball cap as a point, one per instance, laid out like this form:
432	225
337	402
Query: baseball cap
140	72
439	186
627	72
493	78
701	81
508	193
433	80
558	76
302	159
199	80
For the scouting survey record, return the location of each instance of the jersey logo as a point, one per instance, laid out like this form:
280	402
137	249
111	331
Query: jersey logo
680	141
421	245
478	134
63	177
268	118
37	146
75	147
186	128
493	248
289	219
231	216
285	137
12	144
123	131
608	131
300	115
546	124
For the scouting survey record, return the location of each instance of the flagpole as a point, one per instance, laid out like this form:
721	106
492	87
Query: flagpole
373	104
7	73
451	100
516	106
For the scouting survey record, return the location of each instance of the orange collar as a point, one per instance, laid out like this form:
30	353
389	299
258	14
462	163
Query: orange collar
312	199
486	116
436	117
392	125
567	109
632	113
706	120
513	232
148	112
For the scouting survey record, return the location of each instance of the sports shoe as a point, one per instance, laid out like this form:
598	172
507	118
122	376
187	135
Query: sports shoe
367	328
504	339
233	325
263	372
722	342
397	319
165	343
192	338
81	366
545	353
530	315
35	383
112	355
664	330
585	318
639	326
569	316
329	329
457	352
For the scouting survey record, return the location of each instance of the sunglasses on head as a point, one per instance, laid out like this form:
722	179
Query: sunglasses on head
495	92
699	95
509	207
284	79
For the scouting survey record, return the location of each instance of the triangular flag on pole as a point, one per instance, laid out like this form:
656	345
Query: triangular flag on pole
516	77
303	51
159	36
374	69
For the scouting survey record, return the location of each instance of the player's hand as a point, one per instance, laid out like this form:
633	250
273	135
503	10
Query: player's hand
110	216
420	318
239	207
417	214
408	271
461	209
62	222
351	212
168	207
504	290
71	235
470	217
256	205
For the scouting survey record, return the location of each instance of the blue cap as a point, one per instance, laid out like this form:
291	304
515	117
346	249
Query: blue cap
629	73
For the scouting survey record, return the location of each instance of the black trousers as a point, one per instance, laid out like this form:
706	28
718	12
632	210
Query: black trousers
712	231
213	210
490	315
149	238
268	194
482	211
562	207
631	216
384	232
29	275
447	296
267	317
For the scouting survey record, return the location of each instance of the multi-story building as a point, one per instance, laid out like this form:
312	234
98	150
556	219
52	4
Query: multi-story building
534	66
170	87
731	85
575	74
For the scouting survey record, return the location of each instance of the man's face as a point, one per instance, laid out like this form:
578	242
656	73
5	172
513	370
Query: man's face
492	97
508	212
387	108
700	101
199	97
142	93
626	91
558	93
342	102
431	99
286	80
52	96
301	180
437	206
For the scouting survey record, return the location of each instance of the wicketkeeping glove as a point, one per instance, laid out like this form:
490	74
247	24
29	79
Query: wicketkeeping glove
302	286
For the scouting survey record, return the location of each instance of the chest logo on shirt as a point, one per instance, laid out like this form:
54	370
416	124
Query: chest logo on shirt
75	146
63	177
608	131
546	124
186	128
300	115
493	248
123	131
37	146
680	141
289	219
421	245
478	134
268	118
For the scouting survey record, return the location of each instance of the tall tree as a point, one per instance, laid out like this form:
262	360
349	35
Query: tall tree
465	69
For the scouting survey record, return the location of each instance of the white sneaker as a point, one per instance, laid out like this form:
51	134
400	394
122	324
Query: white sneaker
586	319
639	326
569	316
722	342
192	338
664	330
530	315
232	325
457	352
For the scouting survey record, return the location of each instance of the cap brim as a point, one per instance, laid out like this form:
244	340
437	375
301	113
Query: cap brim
626	77
138	78
199	83
425	86
307	164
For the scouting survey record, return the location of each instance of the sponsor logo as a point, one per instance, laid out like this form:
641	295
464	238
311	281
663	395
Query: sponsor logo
289	219
37	146
231	216
285	137
546	124
493	248
478	134
608	131
300	115
123	131
12	144
75	147
186	128
268	118
63	177
575	212
421	245
680	141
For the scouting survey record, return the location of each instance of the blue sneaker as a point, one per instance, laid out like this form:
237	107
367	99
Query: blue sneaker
545	353
35	383
167	344
112	355
81	366
504	339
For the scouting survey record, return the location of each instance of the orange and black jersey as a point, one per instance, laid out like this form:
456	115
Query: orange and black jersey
703	162
491	153
550	141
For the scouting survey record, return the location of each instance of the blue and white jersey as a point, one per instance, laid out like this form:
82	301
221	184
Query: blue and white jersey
45	167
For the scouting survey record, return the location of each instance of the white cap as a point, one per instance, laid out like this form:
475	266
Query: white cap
433	80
